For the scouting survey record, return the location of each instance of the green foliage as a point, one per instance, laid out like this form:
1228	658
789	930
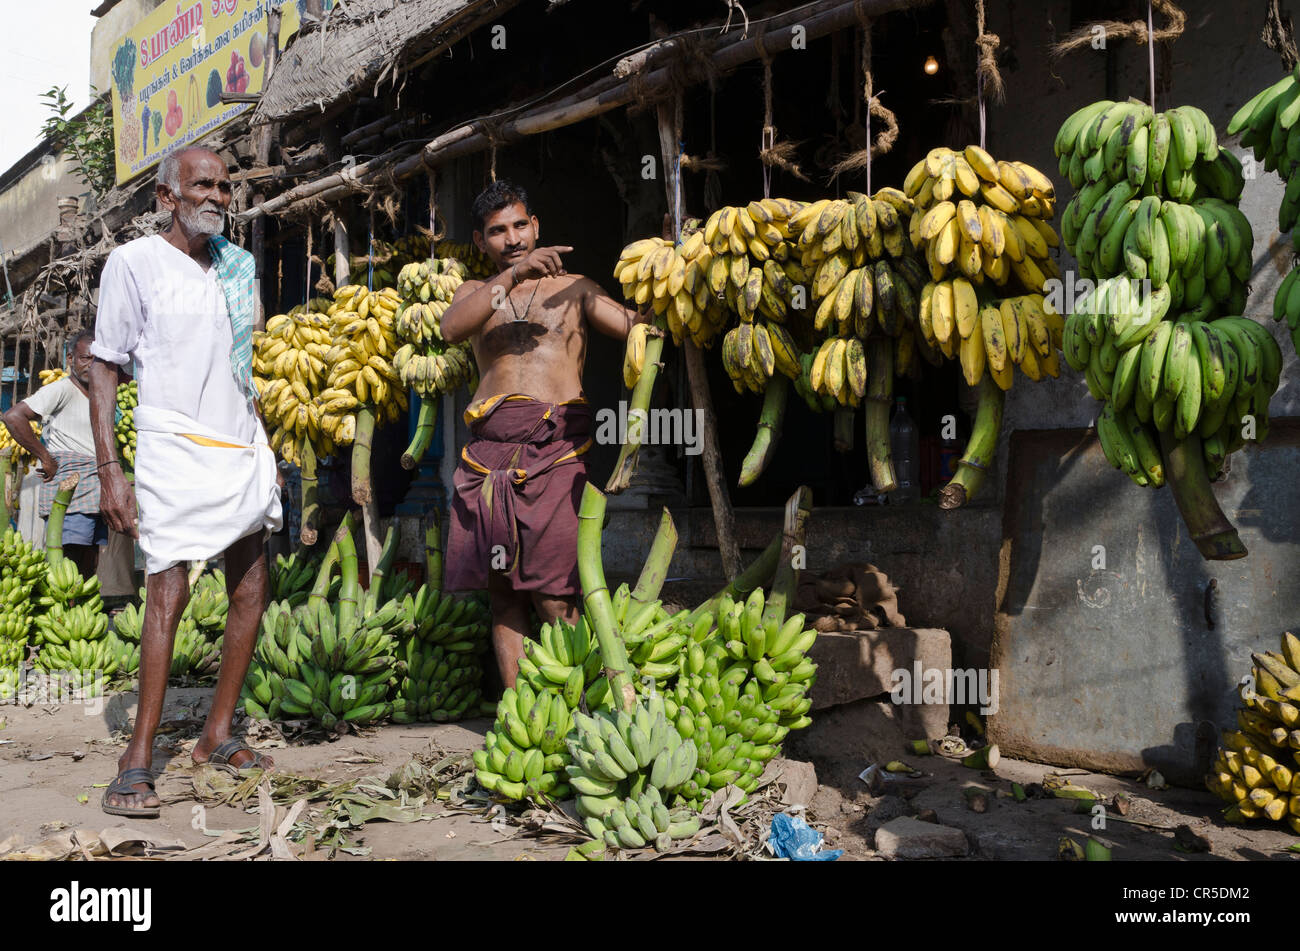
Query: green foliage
88	138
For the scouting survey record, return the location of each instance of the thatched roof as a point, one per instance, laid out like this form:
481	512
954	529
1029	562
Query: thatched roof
358	46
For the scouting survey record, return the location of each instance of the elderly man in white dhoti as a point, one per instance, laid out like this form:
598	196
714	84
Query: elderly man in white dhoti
180	304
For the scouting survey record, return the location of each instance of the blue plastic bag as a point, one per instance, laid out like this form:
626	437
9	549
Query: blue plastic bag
792	838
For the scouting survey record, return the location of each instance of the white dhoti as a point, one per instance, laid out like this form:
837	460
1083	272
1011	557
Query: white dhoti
199	491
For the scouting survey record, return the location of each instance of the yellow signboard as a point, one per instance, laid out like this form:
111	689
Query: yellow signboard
171	69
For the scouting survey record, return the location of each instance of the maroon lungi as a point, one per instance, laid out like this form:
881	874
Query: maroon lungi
518	486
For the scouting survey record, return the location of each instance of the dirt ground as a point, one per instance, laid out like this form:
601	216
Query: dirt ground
53	756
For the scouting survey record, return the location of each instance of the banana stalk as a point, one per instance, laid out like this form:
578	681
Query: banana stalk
625	467
655	569
424	426
770	422
973	467
1216	538
386	555
349	591
757	574
310	503
596	600
320	590
361	489
54	524
842	429
433	553
880	394
797	511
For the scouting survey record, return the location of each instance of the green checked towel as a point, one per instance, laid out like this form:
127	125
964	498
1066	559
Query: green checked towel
236	270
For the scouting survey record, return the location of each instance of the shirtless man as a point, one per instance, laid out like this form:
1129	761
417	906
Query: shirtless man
520	478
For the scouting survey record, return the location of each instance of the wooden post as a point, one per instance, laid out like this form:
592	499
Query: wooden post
724	520
262	156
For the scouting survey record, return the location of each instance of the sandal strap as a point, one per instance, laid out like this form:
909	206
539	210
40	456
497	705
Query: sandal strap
129	778
226	749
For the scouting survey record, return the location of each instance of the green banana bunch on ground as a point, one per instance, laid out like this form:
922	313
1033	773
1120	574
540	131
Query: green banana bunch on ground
640	822
11	681
194	655
208	604
292	577
128	622
459	623
124	423
63	585
617	756
128	659
347	673
1257	768
281	647
59	626
438	684
743	687
524	753
564	659
1157	200
22	570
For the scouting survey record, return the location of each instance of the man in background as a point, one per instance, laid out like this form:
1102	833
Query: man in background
62	409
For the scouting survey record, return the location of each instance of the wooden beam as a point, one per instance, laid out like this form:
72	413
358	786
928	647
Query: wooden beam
817	19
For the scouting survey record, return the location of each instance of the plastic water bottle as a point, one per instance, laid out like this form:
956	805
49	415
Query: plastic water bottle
905	447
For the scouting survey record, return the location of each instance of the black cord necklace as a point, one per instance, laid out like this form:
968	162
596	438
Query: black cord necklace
529	307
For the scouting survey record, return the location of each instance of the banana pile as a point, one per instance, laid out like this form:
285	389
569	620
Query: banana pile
1157	200
524	752
292	577
348	674
620	755
209	604
981	217
440	659
63	585
1257	768
281	647
128	397
654	639
194	655
1185	377
743	687
1268	126
438	684
564	659
75	641
52	376
289	372
635	823
360	371
22	570
634	354
424	361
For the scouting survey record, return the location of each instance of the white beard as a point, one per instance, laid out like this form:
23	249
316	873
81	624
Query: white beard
196	222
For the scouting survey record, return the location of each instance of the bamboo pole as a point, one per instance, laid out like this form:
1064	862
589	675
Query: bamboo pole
817	19
262	155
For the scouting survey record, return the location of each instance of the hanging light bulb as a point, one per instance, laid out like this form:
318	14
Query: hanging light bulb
931	65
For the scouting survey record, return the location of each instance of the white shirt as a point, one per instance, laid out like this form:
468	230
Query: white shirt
158	307
64	412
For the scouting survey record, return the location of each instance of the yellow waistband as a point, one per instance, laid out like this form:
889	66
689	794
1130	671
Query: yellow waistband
205	441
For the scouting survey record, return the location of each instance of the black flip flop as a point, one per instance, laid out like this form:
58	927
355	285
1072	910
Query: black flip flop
123	786
220	757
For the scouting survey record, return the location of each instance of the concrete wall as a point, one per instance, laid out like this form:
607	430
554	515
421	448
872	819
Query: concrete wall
104	37
29	207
